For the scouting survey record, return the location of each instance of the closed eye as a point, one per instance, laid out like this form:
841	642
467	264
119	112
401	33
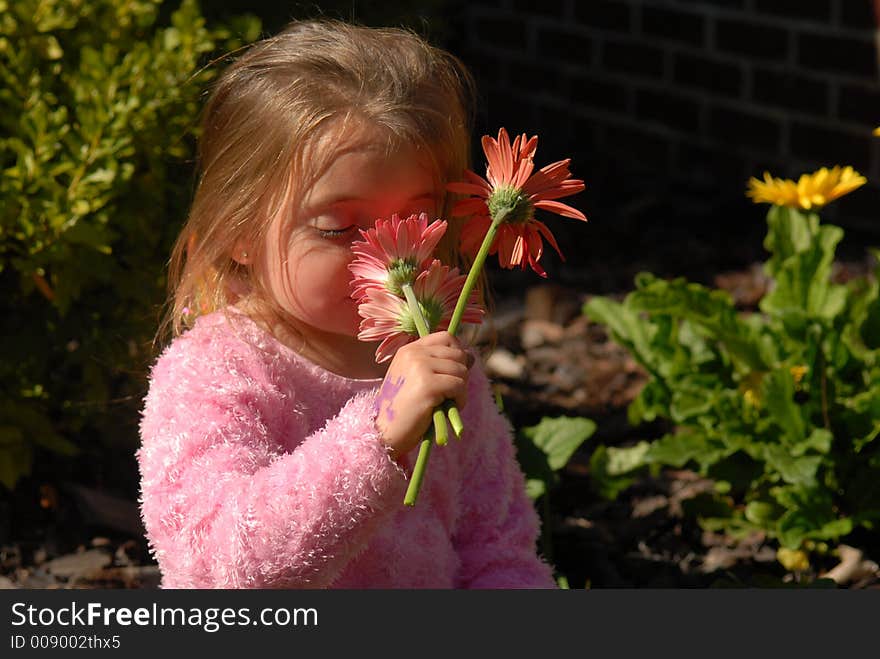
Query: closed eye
331	234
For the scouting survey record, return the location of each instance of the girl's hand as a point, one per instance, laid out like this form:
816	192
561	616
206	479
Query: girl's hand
421	376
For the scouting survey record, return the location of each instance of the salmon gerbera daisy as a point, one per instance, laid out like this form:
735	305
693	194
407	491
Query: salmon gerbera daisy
393	252
507	198
388	317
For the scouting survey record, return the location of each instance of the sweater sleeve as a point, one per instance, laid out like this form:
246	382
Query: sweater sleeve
224	507
498	528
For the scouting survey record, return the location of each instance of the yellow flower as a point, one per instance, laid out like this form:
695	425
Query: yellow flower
798	373
752	398
750	388
811	191
793	560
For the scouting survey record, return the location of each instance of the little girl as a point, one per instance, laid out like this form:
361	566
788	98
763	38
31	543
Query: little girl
269	459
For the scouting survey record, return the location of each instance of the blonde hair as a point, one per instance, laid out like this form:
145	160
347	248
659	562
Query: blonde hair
259	131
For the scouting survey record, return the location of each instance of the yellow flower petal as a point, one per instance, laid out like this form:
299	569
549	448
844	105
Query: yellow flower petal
810	191
793	560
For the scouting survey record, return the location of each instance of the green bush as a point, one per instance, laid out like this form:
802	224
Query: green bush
780	407
99	106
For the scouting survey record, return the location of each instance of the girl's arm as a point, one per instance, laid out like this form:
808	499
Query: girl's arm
223	508
498	529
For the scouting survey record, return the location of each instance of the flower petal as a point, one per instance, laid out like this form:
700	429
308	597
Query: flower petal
560	208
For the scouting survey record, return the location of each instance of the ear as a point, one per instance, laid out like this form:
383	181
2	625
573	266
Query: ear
241	253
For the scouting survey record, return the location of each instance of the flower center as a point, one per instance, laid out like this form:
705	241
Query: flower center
400	272
431	310
519	209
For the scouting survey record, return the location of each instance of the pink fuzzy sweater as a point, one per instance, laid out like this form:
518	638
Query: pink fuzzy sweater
259	469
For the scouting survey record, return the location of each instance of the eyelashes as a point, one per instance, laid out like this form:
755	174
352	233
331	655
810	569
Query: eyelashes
332	234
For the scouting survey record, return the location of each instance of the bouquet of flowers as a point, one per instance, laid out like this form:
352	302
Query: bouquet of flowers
404	293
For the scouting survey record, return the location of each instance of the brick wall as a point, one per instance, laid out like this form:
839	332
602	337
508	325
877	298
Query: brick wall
668	106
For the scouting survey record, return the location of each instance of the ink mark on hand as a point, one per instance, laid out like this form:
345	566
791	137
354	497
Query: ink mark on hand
386	396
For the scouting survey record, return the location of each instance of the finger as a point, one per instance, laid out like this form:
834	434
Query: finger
447	367
447	352
445	386
441	338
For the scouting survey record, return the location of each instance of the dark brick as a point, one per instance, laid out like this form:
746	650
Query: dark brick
829	146
730	4
857	14
852	56
707	73
604	15
590	92
637	148
504	108
862	203
743	128
554	124
565	47
585	138
539	76
632	57
710	163
860	104
488	68
813	10
752	39
778	168
502	32
789	90
543	7
669	109
682	26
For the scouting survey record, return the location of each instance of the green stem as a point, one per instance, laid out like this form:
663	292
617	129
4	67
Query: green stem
474	273
415	483
415	310
454	417
418	475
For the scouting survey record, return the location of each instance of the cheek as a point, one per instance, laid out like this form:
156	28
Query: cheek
324	275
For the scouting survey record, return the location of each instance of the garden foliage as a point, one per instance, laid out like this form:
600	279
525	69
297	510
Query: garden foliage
100	99
780	407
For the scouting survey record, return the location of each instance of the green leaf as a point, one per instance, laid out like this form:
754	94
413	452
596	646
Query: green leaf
16	456
819	440
795	470
712	310
535	488
627	328
802	280
693	396
789	232
810	515
777	391
762	513
558	438
677	450
609	484
619	461
547	447
652	402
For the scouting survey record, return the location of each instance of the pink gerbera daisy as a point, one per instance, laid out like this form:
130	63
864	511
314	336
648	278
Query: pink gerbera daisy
512	190
387	317
393	253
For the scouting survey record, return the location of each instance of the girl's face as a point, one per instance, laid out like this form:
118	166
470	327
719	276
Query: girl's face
308	249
